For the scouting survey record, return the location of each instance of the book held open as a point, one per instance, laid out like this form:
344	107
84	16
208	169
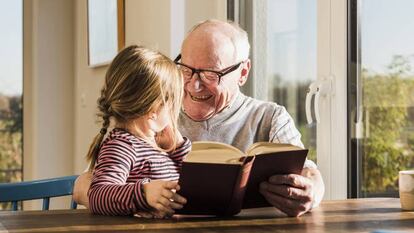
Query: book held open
219	179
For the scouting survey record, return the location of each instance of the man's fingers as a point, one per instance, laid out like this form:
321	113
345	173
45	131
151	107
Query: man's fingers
287	191
281	207
290	179
286	205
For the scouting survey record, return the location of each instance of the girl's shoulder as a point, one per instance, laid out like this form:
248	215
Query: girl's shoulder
118	146
123	137
124	142
120	136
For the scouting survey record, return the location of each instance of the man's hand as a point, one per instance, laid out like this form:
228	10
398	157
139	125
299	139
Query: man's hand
81	187
161	196
293	194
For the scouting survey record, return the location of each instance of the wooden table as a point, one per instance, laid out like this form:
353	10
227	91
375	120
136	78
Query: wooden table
355	215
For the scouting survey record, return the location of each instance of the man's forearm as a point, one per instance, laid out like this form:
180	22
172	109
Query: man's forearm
318	184
81	187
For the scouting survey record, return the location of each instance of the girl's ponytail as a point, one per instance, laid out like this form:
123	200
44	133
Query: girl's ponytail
95	146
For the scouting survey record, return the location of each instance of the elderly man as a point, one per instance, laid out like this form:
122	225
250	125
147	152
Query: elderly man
215	64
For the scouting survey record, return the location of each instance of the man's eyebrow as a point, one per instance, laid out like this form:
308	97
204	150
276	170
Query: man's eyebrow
204	68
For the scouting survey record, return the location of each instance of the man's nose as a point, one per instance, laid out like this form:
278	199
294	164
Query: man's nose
195	83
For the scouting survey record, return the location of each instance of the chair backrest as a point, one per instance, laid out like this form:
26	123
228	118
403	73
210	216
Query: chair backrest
37	189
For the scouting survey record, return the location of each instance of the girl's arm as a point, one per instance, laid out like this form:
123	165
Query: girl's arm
183	144
109	193
181	151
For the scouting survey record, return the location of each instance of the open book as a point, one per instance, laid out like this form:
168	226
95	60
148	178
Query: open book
219	179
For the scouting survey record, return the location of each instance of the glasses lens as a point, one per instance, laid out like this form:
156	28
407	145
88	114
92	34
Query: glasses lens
209	77
186	71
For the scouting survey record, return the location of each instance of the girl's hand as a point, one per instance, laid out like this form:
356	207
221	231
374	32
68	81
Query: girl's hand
161	196
164	138
143	214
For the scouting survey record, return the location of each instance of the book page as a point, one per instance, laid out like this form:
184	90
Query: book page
268	147
214	152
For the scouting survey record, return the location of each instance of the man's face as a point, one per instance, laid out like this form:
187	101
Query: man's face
201	100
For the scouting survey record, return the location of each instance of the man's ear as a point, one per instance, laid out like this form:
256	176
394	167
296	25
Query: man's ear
244	72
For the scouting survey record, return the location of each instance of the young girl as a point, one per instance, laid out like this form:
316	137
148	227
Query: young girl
136	167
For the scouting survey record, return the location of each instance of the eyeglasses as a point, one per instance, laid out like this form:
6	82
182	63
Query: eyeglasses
205	75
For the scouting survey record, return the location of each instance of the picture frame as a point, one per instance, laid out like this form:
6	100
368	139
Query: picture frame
106	30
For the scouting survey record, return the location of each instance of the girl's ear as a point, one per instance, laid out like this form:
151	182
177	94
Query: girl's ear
152	121
153	116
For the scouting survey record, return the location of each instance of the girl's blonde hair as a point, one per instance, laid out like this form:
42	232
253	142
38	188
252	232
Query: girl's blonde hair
137	82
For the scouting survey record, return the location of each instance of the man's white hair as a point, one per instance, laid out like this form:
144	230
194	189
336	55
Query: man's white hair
237	35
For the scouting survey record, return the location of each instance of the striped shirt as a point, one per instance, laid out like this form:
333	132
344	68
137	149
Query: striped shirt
124	164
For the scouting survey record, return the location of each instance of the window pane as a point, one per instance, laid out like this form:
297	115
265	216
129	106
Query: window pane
387	81
291	60
11	85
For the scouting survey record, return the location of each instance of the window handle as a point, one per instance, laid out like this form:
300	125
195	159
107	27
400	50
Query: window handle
317	89
308	101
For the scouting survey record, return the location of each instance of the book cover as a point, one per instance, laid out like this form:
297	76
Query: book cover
284	162
218	179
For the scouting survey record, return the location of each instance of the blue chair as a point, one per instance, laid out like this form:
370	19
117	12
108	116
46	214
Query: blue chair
383	231
37	189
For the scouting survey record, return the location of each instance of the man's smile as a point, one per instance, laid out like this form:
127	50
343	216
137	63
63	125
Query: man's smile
200	98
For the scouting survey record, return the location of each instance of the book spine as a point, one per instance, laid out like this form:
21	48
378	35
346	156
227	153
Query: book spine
240	186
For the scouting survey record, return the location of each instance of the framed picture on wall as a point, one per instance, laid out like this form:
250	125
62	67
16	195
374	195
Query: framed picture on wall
106	31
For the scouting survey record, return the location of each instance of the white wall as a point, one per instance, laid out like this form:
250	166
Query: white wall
162	24
199	10
60	90
87	82
148	23
48	89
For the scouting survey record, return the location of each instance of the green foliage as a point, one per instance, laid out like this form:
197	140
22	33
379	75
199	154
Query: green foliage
387	147
308	135
10	156
10	141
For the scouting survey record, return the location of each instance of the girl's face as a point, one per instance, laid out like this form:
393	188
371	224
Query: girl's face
161	119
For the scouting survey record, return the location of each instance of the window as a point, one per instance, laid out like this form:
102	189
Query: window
381	91
299	45
11	86
284	39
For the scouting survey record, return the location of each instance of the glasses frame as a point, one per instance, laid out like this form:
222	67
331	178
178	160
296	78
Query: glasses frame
219	73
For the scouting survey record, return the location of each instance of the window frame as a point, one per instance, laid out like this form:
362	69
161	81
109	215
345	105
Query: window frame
332	148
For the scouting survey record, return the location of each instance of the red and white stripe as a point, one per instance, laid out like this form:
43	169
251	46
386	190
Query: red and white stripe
124	164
